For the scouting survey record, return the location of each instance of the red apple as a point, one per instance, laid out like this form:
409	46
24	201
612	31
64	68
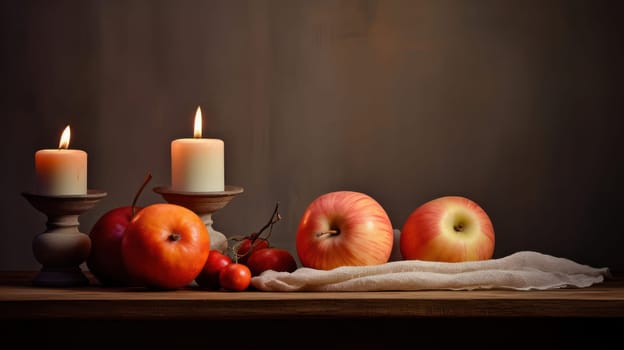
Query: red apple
450	229
165	246
275	259
344	228
105	261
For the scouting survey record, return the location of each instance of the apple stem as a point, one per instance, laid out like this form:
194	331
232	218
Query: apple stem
458	228
174	237
136	195
328	233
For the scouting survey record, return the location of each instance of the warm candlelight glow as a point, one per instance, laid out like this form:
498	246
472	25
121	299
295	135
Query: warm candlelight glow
198	124
61	171
197	163
64	143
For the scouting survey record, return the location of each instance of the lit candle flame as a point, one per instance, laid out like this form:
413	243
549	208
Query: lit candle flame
198	124
64	143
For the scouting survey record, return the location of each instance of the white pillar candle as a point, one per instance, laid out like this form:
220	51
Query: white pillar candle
62	171
197	164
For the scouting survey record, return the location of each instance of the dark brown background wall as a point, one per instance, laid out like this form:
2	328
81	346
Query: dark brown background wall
514	104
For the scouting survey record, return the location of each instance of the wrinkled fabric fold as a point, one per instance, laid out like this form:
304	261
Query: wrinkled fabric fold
525	270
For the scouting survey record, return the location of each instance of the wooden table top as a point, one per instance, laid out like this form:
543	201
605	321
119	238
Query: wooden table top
19	300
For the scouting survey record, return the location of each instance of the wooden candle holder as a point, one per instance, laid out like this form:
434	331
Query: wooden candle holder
61	248
204	204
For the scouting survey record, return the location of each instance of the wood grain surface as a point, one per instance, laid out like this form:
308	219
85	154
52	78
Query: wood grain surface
19	300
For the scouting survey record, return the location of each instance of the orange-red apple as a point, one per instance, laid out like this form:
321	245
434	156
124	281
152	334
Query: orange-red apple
165	246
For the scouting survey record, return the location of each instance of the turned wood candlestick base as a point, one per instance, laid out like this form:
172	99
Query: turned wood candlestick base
204	204
61	248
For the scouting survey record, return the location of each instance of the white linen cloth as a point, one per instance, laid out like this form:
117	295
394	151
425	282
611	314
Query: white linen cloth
525	270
